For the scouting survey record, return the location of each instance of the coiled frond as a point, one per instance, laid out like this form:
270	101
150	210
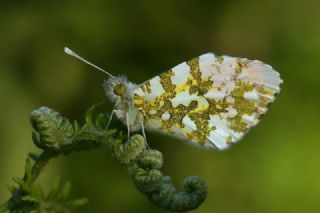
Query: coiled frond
56	135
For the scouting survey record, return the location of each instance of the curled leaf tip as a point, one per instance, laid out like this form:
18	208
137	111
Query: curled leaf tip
54	130
151	158
146	175
128	151
167	196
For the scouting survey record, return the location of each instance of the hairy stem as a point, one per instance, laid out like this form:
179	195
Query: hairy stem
55	135
39	164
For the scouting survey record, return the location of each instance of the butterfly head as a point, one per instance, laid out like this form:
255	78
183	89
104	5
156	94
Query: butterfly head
118	89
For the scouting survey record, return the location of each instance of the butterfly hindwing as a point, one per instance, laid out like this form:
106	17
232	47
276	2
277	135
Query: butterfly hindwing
210	101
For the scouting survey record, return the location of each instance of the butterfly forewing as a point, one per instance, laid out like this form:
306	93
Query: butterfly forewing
210	101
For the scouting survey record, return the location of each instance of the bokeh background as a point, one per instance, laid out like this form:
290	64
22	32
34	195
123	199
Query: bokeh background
275	168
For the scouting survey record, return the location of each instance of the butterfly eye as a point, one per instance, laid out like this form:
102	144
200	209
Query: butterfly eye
119	90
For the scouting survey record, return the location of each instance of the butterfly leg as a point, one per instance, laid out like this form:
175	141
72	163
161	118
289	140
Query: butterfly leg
144	134
128	125
110	119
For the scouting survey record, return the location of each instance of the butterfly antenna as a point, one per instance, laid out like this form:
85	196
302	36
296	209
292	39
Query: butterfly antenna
71	53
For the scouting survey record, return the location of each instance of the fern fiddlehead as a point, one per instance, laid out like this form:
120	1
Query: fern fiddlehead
56	135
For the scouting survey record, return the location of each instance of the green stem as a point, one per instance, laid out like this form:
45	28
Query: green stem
39	164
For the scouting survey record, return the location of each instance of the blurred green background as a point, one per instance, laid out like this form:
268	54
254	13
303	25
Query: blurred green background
275	168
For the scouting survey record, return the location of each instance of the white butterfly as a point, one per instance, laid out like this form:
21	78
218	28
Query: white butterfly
210	101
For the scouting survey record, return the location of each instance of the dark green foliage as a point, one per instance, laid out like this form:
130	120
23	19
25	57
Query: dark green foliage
55	135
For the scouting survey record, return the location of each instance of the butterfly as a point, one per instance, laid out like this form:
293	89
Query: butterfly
210	101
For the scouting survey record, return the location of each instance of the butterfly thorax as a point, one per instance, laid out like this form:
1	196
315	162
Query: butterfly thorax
120	91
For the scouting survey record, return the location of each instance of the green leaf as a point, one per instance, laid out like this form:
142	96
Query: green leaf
30	199
54	189
89	113
76	127
77	203
65	192
37	191
28	169
21	183
101	121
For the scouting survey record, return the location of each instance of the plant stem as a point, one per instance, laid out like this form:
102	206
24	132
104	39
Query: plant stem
39	164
